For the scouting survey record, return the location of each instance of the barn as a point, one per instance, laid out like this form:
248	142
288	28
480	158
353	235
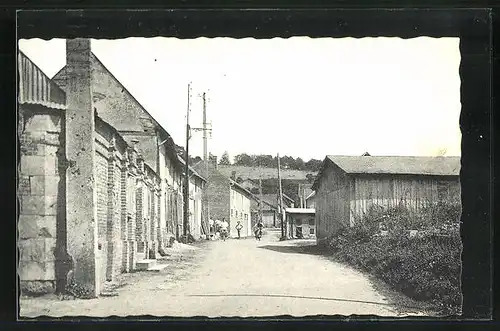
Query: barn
347	186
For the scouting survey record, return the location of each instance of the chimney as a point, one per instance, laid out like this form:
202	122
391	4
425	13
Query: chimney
81	197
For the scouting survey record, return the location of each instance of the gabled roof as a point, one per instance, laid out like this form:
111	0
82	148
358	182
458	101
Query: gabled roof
248	193
35	87
163	132
193	172
311	195
394	165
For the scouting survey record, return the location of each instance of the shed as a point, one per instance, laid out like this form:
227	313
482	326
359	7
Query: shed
347	186
301	222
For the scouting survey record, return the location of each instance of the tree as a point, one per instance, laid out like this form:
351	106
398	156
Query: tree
243	160
224	160
266	161
313	164
299	164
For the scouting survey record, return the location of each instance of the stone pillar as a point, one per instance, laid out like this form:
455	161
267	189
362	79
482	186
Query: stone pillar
131	210
140	205
124	193
113	235
81	198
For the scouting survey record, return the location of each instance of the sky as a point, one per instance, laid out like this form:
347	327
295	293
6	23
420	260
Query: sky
301	97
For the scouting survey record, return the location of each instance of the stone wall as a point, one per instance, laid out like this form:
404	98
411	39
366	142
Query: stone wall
41	198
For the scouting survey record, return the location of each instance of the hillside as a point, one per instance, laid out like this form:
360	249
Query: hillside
291	179
266	173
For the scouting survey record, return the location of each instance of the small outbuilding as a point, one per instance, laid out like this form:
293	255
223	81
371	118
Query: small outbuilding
347	186
301	222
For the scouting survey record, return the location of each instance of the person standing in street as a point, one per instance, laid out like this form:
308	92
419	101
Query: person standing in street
224	225
238	228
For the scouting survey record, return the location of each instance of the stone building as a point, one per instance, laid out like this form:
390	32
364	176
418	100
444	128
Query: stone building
118	107
197	228
95	197
226	199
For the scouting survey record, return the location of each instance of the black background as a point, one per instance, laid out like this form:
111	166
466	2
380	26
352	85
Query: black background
478	93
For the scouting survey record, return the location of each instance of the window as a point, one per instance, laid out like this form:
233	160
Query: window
311	231
311	221
232	213
236	213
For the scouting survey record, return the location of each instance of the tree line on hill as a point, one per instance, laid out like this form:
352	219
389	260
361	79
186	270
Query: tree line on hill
261	160
269	185
269	161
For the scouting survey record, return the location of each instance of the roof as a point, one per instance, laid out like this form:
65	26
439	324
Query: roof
170	144
35	87
194	172
394	165
250	194
300	210
312	194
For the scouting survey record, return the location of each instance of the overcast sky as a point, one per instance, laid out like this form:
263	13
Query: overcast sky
301	97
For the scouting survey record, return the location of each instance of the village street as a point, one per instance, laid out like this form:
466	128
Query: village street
233	278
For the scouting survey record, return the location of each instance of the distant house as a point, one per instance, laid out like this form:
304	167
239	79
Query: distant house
226	199
311	200
262	172
270	210
347	186
301	222
303	192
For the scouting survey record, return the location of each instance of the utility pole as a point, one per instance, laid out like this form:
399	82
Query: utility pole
281	200
206	160
260	193
186	169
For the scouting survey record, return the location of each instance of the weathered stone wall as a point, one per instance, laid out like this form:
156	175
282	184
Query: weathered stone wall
41	197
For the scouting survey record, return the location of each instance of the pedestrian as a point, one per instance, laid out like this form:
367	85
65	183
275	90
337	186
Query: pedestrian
223	226
238	228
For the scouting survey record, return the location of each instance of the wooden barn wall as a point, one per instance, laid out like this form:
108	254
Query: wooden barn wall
413	192
332	202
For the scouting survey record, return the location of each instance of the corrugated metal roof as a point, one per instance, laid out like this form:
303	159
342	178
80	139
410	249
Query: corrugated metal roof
36	88
401	165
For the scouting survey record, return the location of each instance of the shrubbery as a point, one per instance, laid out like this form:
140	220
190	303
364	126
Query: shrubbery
425	265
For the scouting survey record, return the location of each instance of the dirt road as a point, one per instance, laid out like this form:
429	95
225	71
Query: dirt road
235	278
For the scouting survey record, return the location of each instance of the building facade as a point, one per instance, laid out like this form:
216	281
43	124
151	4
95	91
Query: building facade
226	199
301	222
118	107
94	199
347	186
310	200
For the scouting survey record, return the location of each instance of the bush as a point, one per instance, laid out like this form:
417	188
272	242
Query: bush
425	267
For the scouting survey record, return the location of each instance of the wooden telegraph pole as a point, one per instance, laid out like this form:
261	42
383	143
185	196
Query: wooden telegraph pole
281	200
205	130
186	169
